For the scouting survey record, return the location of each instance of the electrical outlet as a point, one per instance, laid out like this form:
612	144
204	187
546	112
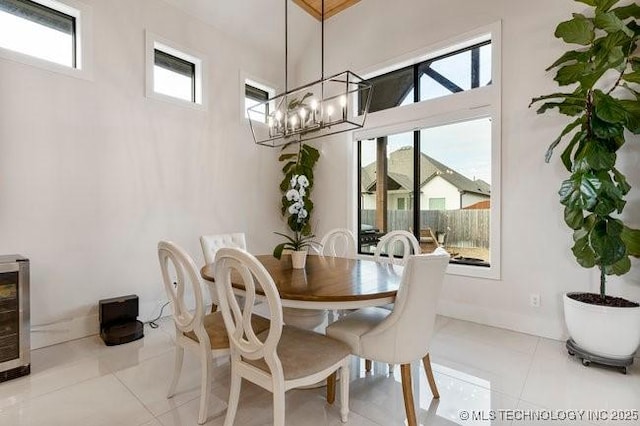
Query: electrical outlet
534	300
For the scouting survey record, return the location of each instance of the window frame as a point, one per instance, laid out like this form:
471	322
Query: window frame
257	83
82	40
154	42
467	105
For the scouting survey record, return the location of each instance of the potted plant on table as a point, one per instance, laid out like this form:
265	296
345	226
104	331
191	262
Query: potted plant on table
604	73
297	206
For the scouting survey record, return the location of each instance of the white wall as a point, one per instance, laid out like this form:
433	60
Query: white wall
93	174
535	242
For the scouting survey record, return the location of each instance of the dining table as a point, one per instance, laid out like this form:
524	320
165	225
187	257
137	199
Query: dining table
326	284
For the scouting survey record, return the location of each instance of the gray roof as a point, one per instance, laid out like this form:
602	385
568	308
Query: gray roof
400	168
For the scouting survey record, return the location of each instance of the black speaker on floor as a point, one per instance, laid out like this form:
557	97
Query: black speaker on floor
118	320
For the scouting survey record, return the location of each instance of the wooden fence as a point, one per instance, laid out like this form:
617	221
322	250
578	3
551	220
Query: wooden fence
463	228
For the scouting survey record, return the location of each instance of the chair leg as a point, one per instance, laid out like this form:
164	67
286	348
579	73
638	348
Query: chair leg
205	384
278	407
407	392
176	371
367	365
331	388
426	361
344	391
234	398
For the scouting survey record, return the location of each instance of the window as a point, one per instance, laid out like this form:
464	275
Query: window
173	74
402	203
434	169
458	71
44	29
254	94
437	203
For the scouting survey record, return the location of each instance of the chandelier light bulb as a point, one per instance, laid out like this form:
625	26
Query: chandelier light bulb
303	114
278	115
314	104
330	111
293	121
343	101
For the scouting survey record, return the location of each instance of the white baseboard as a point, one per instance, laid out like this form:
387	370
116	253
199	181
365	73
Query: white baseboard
537	326
63	331
77	328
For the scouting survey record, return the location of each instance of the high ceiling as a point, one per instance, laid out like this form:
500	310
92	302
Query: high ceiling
331	7
260	23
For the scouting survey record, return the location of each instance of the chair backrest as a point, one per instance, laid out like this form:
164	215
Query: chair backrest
212	243
177	286
405	334
391	241
242	338
339	242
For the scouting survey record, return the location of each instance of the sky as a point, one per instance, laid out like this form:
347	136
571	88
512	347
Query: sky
464	146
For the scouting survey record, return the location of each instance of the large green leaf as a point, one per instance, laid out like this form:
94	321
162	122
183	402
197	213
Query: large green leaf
583	252
610	22
570	74
579	30
608	109
621	267
632	77
631	238
621	180
608	131
573	217
606	243
597	156
624	12
580	191
632	118
571	56
604	5
566	154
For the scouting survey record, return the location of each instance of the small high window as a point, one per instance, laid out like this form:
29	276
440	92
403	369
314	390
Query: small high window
174	76
254	94
43	29
173	73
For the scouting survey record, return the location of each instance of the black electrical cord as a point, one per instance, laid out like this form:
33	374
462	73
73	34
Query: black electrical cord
152	323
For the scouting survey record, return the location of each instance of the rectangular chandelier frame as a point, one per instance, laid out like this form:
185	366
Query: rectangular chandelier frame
325	107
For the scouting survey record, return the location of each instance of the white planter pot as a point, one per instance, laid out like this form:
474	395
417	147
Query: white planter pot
602	330
298	259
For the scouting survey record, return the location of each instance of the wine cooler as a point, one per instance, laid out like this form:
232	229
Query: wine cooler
14	317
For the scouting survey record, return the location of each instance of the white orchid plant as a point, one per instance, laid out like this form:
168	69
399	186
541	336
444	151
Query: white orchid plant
296	202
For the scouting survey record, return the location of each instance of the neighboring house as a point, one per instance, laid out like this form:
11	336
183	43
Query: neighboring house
441	188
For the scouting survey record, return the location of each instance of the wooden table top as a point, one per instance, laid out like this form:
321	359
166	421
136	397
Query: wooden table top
328	279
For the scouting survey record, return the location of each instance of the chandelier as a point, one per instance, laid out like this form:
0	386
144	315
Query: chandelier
328	106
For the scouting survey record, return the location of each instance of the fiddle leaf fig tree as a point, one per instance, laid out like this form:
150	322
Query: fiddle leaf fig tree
602	74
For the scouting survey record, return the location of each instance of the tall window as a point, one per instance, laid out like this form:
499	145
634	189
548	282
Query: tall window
445	166
42	29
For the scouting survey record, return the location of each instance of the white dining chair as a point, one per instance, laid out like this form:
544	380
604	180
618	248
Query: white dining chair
390	242
200	333
282	357
339	242
214	242
400	336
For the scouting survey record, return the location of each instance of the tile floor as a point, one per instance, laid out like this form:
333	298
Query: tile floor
479	368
